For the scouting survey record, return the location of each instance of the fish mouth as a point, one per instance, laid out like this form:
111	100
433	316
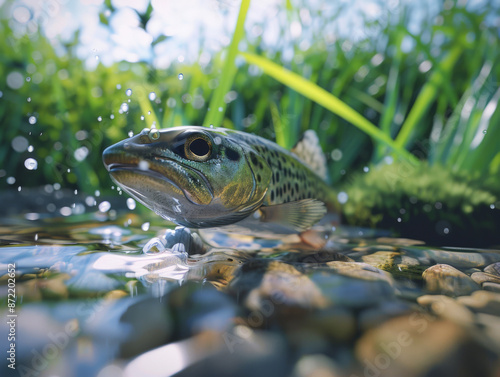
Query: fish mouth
168	175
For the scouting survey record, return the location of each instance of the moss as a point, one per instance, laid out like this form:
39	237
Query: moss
430	203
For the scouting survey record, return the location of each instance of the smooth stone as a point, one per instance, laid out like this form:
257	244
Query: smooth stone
491	327
383	260
240	352
198	308
372	317
407	261
447	308
400	241
492	287
445	279
320	257
351	292
337	324
283	286
493	268
316	365
482	301
419	345
483	277
128	326
458	259
360	270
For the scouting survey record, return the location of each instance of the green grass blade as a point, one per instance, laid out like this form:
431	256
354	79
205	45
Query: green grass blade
392	91
325	99
214	116
427	96
147	108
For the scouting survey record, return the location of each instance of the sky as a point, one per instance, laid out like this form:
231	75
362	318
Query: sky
191	24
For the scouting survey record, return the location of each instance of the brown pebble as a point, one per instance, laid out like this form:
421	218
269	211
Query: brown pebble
482	277
447	280
493	269
492	287
482	302
447	308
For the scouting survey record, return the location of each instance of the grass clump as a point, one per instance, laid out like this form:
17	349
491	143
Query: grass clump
428	202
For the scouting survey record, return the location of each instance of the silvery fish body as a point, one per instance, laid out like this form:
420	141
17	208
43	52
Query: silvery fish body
210	177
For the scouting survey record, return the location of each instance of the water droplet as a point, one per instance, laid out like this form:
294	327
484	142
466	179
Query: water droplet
124	107
217	140
76	192
180	76
69	170
220	109
342	197
28	79
211	126
143	165
27	99
36	237
366	169
32	120
446	230
152	96
19	144
484	131
81	153
142	117
336	154
97	193
31	164
65	211
399	219
118	86
145	227
11	180
149	112
128	92
97	57
104	206
31	148
112	116
492	206
130	133
99	118
131	203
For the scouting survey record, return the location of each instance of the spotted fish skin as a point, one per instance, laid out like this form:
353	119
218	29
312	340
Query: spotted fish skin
210	177
291	180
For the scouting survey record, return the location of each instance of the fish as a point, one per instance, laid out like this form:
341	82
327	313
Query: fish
201	177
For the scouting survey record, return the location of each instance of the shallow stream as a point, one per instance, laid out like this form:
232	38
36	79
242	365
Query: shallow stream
90	303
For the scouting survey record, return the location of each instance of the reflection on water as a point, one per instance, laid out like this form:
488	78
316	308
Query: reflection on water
89	302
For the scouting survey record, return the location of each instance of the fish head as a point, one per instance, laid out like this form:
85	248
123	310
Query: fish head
194	176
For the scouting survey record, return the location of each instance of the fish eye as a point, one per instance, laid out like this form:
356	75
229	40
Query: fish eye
154	134
198	148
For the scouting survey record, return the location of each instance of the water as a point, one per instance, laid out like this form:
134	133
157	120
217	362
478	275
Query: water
89	302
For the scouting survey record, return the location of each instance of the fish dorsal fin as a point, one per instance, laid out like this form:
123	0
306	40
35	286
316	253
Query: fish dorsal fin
299	215
309	151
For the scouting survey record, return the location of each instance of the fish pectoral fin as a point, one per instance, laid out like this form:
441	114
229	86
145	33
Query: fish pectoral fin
299	215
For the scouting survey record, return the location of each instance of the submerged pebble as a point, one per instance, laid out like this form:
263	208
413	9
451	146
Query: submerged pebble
357	306
447	280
